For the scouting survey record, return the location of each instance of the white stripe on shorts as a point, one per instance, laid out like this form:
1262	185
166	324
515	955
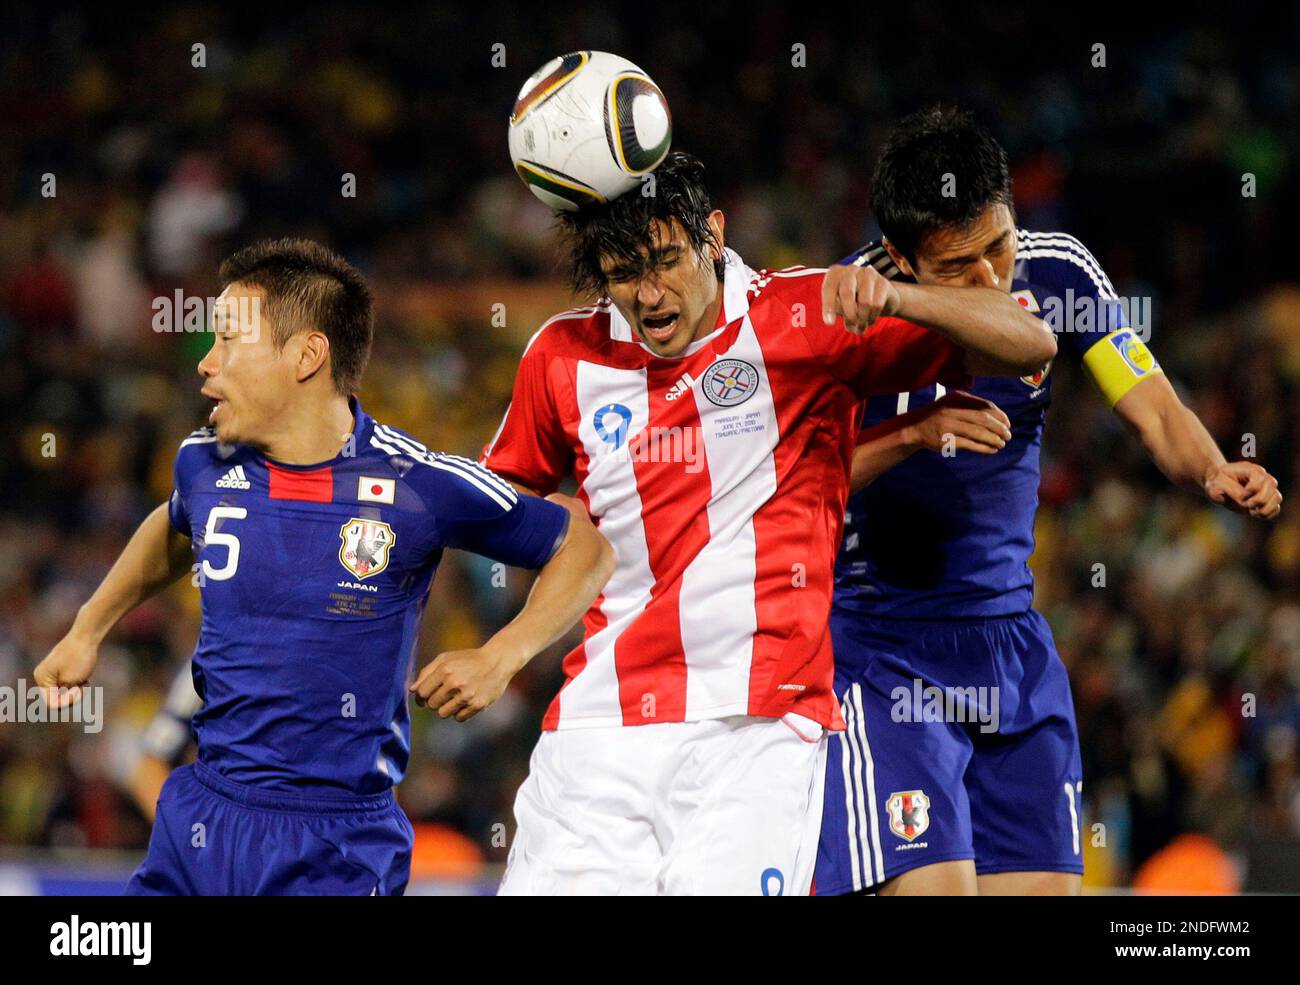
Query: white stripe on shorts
877	854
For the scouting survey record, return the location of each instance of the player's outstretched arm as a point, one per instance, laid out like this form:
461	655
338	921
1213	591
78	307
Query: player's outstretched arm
1000	337
1186	453
462	683
155	557
957	421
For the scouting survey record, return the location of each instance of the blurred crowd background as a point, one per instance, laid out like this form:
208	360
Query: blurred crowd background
1185	665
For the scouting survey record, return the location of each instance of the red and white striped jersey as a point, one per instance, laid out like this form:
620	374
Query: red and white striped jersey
720	477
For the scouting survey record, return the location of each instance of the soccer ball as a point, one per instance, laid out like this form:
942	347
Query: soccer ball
585	127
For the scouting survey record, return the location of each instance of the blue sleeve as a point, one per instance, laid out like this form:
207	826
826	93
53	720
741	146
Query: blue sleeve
1087	308
476	510
872	254
177	511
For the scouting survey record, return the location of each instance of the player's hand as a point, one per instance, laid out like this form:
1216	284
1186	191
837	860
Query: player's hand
960	421
66	669
1245	487
859	295
462	683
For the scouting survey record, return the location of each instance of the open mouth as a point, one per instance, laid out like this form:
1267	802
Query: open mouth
660	327
218	403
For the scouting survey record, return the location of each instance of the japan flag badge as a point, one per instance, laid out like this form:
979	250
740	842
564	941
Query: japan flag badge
372	490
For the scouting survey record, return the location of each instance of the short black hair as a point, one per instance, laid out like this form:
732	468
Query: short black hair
938	168
620	229
309	286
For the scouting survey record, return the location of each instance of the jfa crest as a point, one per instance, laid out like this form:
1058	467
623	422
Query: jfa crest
909	813
1036	379
367	545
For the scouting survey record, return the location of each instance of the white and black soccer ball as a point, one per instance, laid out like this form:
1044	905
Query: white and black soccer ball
586	127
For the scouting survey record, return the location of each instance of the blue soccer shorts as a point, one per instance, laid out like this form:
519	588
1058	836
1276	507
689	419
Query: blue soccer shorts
960	743
215	837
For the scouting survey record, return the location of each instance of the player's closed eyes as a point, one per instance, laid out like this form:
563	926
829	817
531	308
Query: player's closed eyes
661	263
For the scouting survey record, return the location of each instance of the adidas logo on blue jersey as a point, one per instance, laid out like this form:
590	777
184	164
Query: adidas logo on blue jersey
234	479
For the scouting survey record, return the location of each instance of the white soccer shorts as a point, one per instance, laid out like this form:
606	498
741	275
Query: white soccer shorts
728	806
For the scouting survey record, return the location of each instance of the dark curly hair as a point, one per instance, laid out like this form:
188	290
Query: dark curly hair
911	191
619	230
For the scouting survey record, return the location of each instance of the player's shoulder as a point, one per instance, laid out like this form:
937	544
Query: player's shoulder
875	254
200	447
575	332
201	455
437	476
785	285
1060	261
199	437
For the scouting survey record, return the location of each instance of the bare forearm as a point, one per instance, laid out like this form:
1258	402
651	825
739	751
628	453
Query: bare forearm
1182	448
562	593
1002	337
154	557
884	446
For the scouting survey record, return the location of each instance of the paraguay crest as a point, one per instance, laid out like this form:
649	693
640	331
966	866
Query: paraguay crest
367	546
909	813
729	382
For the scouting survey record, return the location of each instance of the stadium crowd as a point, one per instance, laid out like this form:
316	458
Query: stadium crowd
127	172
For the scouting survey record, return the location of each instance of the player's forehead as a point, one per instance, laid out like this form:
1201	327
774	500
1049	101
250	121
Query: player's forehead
951	244
664	238
239	307
238	301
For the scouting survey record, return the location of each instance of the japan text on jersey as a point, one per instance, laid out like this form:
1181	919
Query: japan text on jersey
313	582
950	537
720	478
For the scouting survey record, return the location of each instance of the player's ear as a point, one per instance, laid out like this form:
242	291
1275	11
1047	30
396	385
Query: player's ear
717	224
898	258
313	354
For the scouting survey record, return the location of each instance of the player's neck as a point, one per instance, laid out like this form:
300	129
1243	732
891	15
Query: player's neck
311	432
709	320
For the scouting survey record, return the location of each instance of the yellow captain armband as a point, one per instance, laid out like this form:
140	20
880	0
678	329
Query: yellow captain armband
1118	363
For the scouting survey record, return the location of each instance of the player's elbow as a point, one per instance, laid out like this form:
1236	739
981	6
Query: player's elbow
591	551
1031	353
1023	350
1039	348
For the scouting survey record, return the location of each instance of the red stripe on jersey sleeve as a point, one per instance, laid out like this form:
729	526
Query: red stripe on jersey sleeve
312	485
891	356
530	446
901	355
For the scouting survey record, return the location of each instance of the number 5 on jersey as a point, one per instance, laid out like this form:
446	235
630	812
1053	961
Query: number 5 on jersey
213	537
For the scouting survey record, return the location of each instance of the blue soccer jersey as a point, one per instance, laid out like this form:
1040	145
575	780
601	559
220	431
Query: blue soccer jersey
932	597
314	580
950	537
